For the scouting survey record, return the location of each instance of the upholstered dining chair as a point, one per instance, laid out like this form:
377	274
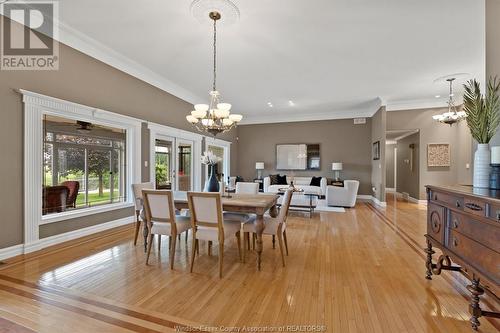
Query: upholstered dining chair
208	223
272	226
161	219
138	201
247	188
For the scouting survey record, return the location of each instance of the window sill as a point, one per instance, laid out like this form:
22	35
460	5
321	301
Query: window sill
83	212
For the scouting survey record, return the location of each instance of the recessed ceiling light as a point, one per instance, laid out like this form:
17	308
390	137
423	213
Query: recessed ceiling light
270	104
291	103
438	96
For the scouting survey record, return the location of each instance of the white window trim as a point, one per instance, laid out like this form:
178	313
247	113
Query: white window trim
159	131
210	141
35	107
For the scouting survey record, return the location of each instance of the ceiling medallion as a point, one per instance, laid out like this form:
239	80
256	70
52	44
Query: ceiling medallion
452	116
213	118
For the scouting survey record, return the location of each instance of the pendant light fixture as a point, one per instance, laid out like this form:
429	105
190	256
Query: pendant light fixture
213	118
452	116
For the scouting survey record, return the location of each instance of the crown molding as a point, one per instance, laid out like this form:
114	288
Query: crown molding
402	105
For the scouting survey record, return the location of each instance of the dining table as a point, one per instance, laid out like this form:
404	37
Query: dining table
257	204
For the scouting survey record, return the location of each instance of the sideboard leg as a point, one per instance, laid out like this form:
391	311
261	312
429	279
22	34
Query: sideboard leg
428	262
474	308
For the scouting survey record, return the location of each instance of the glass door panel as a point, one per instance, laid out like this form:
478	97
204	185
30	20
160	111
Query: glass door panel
184	165
219	167
164	164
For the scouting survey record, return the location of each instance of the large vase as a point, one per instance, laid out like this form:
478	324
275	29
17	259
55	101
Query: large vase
482	158
212	184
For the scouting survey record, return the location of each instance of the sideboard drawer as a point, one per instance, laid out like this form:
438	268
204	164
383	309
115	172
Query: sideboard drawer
475	207
435	222
482	232
447	199
483	258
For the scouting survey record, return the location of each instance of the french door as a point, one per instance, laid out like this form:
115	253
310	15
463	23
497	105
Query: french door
174	163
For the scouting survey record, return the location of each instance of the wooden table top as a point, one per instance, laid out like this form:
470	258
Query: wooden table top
241	200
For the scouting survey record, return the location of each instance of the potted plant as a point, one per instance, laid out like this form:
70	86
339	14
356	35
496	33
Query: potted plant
483	119
210	159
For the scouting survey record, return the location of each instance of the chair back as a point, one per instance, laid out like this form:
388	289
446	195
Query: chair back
73	188
206	210
247	188
159	207
285	206
137	189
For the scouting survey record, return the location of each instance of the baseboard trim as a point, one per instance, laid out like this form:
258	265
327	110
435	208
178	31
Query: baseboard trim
61	238
367	197
11	251
412	199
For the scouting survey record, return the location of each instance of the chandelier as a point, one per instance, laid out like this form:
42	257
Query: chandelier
213	118
452	116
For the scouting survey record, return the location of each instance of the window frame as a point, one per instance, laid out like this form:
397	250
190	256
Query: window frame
36	106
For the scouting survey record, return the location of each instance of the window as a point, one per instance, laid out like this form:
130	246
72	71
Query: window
219	167
83	165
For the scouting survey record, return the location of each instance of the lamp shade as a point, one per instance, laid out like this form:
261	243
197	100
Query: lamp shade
337	166
259	165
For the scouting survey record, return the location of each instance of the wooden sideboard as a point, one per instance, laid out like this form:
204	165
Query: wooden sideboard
464	223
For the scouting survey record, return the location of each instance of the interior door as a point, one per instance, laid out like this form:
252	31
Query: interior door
184	165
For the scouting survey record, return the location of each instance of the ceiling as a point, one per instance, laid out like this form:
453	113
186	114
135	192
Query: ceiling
332	58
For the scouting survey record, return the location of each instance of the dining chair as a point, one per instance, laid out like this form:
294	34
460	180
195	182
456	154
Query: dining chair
138	201
247	188
208	224
272	226
161	219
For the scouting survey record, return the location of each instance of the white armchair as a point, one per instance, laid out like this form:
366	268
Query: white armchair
343	196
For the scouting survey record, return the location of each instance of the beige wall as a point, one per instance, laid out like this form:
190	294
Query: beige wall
378	166
87	81
431	131
340	141
493	47
492	38
408	167
389	165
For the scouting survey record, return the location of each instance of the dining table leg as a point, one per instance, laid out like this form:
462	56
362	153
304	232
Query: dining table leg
259	228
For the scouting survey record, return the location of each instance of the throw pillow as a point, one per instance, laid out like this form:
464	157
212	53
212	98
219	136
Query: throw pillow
282	180
315	181
273	179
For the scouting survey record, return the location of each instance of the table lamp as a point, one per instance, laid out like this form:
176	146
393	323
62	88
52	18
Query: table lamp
259	166
337	167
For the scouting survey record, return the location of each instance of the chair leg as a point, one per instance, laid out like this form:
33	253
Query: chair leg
197	247
159	243
247	235
170	242
187	233
137	228
172	252
286	242
245	243
209	248
280	242
238	239
254	237
150	242
221	258
193	252
274	242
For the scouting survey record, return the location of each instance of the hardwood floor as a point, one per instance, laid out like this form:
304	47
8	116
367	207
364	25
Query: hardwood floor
358	271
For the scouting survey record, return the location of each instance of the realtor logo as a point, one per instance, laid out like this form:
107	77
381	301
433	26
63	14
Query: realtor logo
29	36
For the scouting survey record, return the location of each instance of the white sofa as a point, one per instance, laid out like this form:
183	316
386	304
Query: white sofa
298	182
342	196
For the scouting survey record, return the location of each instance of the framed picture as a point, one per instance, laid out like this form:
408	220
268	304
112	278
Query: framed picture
376	150
438	155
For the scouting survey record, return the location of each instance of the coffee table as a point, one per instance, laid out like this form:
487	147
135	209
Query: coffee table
301	200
